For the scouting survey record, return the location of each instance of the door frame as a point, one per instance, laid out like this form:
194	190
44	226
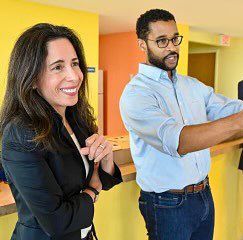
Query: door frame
216	71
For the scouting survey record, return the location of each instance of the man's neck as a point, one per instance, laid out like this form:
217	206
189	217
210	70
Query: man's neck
170	74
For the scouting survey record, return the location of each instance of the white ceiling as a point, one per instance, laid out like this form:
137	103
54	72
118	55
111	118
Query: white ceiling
216	16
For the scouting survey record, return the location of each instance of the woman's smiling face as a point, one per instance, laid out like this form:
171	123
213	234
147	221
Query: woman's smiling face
62	77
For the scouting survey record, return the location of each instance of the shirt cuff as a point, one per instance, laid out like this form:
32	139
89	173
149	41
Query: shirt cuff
170	136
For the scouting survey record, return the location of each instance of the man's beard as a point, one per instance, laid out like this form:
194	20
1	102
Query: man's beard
160	63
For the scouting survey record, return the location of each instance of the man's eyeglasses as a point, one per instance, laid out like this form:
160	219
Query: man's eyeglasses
164	42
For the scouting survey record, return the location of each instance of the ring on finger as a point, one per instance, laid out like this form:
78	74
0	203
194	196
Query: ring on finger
102	146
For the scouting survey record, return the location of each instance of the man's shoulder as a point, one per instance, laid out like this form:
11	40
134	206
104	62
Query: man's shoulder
135	91
136	85
189	82
187	79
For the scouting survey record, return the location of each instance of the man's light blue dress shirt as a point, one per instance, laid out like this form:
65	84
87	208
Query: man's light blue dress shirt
154	110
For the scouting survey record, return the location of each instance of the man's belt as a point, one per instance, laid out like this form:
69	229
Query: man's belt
194	188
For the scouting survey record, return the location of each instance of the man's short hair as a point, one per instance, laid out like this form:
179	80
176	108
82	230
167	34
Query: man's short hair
153	15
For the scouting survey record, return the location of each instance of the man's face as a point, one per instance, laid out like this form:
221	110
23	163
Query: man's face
164	58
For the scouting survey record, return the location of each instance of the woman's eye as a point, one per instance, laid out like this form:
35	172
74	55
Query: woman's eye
57	68
75	63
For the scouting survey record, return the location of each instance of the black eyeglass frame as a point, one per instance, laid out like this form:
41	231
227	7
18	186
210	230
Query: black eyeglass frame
168	40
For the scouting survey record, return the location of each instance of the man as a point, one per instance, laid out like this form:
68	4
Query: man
172	121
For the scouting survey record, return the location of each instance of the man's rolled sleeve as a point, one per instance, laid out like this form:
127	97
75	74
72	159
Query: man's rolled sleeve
170	135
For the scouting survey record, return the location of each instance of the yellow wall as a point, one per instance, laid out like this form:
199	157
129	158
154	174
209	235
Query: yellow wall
17	15
226	183
7	224
203	37
183	62
231	67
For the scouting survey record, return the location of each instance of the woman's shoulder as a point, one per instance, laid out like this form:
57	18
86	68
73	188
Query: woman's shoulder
18	134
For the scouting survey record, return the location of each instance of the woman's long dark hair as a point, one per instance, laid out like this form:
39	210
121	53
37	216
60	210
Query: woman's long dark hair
22	103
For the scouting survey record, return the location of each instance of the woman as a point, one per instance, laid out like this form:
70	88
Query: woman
55	162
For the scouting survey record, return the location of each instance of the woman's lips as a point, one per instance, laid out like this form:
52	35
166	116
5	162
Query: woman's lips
69	91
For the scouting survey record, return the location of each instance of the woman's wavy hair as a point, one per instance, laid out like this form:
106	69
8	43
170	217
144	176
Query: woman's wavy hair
22	103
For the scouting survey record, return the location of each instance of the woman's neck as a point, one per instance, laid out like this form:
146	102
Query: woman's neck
62	112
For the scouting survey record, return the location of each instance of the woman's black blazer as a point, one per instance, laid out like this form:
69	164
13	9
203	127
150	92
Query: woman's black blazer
46	185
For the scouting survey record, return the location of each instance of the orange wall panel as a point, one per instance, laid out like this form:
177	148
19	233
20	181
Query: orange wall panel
119	56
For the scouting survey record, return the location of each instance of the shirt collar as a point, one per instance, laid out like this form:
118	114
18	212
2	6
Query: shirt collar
155	73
